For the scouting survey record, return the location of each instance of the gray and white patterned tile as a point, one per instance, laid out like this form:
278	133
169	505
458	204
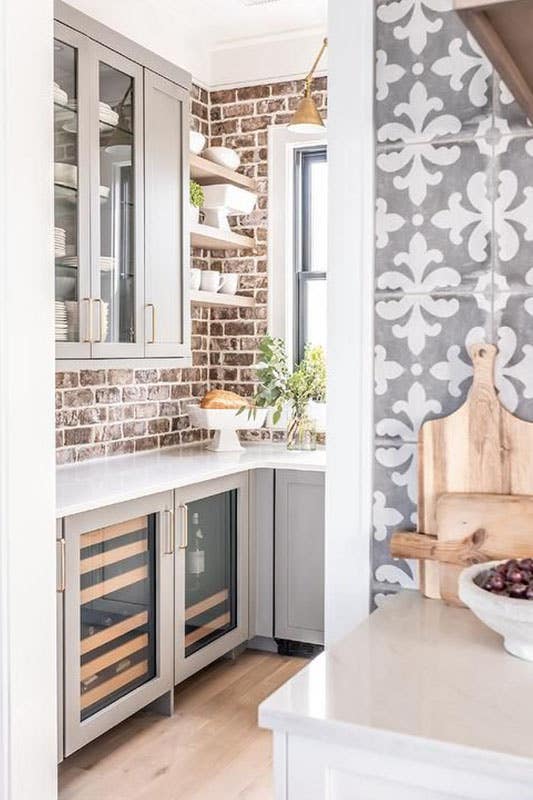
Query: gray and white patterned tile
513	211
394	506
506	107
432	79
514	363
421	246
419	363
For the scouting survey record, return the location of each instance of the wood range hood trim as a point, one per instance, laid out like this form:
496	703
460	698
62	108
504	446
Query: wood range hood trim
504	29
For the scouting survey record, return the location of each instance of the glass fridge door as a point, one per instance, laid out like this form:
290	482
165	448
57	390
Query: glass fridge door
117	612
117	198
210	570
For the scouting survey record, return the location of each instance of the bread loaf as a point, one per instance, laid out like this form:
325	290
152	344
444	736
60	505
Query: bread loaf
218	398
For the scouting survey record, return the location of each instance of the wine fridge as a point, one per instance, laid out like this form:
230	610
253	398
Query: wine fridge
211	581
118	614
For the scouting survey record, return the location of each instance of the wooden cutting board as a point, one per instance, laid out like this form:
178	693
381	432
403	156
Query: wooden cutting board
471	529
480	448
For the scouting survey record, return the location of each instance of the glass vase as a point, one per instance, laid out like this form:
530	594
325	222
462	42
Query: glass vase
301	433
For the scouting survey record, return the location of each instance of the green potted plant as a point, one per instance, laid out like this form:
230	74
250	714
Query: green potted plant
196	198
278	387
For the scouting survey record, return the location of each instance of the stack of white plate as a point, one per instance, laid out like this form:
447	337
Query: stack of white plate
107	115
72	308
66	175
60	96
105	263
60	239
61	322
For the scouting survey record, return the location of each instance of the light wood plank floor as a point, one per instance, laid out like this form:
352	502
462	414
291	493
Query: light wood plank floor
211	749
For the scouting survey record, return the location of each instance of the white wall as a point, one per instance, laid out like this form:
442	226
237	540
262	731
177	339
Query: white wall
27	532
350	280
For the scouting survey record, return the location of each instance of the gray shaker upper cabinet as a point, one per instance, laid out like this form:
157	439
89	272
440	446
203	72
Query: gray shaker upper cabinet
121	120
166	197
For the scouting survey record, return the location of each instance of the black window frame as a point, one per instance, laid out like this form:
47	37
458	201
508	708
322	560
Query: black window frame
304	158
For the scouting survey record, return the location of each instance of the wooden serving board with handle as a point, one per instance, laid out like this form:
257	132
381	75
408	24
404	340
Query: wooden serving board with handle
479	449
471	529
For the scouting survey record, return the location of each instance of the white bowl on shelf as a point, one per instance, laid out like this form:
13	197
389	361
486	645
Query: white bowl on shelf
226	422
196	142
223	156
66	175
510	617
221	199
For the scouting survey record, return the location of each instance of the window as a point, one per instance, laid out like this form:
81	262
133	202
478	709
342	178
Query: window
310	245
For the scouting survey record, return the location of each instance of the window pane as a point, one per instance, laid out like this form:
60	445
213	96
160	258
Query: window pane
315	317
318	216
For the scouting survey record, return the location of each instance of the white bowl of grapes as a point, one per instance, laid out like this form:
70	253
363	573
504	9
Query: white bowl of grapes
500	594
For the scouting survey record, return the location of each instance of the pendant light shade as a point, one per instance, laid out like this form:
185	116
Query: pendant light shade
307	118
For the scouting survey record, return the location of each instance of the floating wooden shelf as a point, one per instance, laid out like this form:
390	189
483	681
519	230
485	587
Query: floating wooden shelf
504	29
206	172
217	239
218	299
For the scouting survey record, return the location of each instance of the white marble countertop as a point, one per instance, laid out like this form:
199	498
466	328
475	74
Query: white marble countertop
418	679
104	481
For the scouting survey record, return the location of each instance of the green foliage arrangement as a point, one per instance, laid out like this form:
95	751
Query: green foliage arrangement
277	385
196	194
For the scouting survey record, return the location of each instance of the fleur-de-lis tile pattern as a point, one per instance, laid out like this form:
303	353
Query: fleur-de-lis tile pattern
454	246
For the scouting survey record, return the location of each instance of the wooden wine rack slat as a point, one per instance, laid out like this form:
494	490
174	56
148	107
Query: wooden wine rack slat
116	682
113	584
205	605
94	666
205	630
113	556
113	531
113	632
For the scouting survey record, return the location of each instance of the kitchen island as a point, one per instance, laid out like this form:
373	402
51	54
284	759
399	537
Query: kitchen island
420	702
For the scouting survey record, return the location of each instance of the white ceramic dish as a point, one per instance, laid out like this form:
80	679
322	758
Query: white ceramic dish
223	156
511	618
196	142
60	96
66	175
221	199
226	423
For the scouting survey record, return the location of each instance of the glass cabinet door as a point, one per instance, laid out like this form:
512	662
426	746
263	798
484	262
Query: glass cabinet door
70	239
117	609
117	258
118	618
210	570
211	582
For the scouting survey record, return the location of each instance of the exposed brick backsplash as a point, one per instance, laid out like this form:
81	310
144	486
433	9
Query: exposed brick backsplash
105	412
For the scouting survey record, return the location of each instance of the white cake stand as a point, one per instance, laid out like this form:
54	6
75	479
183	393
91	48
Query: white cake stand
225	423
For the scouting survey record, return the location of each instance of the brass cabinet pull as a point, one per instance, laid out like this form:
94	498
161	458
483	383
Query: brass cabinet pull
100	321
171	539
184	541
152	307
88	300
61	582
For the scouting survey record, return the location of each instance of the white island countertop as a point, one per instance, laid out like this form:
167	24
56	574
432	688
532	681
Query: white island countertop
421	682
104	481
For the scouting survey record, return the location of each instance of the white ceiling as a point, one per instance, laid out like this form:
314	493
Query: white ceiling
224	21
222	42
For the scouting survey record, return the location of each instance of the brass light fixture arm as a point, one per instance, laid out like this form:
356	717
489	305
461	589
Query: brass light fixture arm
309	77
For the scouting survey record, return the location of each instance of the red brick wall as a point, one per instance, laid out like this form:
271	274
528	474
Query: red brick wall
240	119
108	412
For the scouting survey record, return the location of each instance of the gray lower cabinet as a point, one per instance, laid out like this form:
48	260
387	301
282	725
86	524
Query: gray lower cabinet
60	543
299	556
211	572
118	619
